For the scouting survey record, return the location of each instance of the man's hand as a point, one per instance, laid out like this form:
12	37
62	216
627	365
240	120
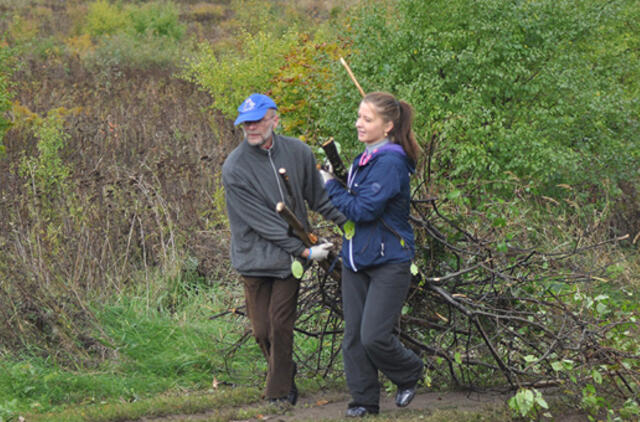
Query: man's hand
319	252
326	176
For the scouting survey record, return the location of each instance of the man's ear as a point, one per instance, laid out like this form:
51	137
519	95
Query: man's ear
276	120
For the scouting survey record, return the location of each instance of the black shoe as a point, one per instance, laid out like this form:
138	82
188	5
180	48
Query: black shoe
405	395
357	412
292	397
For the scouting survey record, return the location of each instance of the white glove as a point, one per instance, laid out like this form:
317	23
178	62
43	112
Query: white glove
326	176
319	252
327	166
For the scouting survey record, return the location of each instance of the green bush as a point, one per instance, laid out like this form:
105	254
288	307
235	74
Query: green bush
159	19
287	67
105	18
135	36
234	75
5	93
546	90
46	172
275	52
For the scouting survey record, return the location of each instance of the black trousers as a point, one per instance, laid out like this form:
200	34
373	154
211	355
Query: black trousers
271	305
372	301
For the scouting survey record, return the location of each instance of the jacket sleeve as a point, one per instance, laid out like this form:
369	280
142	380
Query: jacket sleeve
316	195
370	197
247	211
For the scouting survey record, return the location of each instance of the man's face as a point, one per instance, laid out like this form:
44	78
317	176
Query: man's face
258	133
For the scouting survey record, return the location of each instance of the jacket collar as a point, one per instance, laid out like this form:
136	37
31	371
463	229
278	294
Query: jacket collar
371	153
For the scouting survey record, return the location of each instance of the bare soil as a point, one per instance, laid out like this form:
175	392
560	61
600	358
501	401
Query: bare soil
331	406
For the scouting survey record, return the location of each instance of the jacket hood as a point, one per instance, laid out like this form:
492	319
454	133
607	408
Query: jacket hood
391	148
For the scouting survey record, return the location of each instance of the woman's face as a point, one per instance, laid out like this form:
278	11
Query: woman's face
371	127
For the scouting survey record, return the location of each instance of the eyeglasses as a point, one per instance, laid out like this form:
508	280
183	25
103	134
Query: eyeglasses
258	122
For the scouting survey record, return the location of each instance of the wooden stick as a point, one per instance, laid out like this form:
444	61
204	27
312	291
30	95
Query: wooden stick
309	239
353	78
287	184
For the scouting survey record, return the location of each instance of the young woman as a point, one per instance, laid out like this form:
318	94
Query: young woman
377	255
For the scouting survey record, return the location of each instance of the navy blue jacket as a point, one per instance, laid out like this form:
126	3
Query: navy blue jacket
378	202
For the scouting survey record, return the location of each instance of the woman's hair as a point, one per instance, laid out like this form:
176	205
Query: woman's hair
401	114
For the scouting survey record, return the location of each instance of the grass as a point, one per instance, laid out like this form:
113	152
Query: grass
216	403
148	350
160	353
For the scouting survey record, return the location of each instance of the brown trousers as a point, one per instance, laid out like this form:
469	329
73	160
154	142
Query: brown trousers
271	305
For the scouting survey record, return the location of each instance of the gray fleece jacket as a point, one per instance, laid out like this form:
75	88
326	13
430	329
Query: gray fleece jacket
261	245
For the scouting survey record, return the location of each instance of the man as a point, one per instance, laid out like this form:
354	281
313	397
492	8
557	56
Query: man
262	248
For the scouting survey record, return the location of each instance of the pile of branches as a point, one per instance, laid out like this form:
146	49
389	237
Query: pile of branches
485	318
485	314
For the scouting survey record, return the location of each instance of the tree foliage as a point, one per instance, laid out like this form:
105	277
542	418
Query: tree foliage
543	90
284	59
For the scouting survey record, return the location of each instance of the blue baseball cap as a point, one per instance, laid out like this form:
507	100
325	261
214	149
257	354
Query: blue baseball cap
254	108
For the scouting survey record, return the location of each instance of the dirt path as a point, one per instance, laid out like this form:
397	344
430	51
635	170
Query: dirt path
333	405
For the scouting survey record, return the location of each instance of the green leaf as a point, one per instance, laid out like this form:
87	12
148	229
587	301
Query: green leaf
414	269
540	401
499	222
525	400
454	194
349	229
297	269
597	377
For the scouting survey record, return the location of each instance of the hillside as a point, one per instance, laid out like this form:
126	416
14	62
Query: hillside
117	117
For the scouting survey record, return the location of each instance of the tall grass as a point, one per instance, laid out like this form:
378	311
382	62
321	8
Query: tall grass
159	337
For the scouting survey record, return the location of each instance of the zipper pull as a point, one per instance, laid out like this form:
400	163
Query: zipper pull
382	249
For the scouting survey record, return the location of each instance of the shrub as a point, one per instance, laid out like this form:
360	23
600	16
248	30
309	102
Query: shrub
237	73
292	66
545	90
159	19
46	172
104	18
135	36
5	93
